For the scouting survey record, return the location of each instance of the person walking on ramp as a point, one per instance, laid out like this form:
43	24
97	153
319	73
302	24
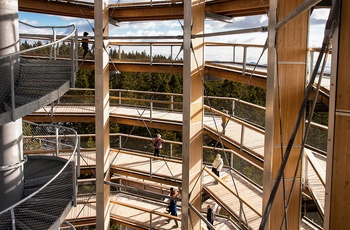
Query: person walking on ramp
157	144
218	163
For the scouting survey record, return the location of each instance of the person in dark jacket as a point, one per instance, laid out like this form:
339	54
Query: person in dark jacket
210	216
85	44
173	206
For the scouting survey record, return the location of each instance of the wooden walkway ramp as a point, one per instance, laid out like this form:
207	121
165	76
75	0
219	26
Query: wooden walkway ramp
234	193
169	171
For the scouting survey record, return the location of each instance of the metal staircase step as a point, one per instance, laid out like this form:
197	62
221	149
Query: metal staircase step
37	182
40	168
35	221
51	189
21	225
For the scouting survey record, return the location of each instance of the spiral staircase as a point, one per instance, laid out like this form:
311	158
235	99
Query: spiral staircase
31	83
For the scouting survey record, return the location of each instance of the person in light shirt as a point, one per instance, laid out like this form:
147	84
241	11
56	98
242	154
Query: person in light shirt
218	163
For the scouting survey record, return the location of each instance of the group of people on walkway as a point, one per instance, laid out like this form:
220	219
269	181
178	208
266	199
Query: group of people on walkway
217	166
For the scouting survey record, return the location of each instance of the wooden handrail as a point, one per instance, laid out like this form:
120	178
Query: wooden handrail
146	210
143	155
249	126
233	192
315	165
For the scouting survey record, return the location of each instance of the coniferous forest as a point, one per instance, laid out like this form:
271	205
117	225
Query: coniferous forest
172	83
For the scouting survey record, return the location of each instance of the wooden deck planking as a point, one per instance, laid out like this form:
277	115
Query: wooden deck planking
246	192
85	210
142	164
252	140
314	182
142	217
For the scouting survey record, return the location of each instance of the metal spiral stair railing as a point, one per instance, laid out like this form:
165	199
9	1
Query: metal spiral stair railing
50	180
42	74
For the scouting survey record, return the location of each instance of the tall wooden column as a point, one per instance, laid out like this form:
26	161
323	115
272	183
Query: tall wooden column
291	56
192	112
102	113
337	205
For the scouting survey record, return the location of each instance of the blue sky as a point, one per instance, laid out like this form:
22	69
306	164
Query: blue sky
152	28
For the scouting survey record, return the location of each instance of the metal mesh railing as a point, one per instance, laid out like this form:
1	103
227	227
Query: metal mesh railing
246	112
47	195
46	60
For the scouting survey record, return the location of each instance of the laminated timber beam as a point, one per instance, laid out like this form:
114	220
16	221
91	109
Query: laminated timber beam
102	114
282	112
122	13
337	199
236	76
237	8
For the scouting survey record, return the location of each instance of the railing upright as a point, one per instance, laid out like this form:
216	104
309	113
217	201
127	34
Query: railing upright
78	156
54	45
242	138
172	104
13	219
171	150
240	212
244	60
13	102
233	55
73	68
171	53
151	53
75	188
57	141
306	165
150	221
76	45
233	107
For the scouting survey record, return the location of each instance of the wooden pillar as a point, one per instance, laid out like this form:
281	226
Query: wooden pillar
288	89
192	112
337	200
102	113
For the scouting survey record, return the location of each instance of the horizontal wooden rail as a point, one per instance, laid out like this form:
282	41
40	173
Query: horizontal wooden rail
315	165
245	124
233	192
144	155
146	210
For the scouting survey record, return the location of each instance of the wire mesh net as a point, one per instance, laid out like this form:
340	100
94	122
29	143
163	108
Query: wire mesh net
48	180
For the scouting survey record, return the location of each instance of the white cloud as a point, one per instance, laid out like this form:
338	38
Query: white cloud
320	14
144	25
263	18
30	22
239	19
